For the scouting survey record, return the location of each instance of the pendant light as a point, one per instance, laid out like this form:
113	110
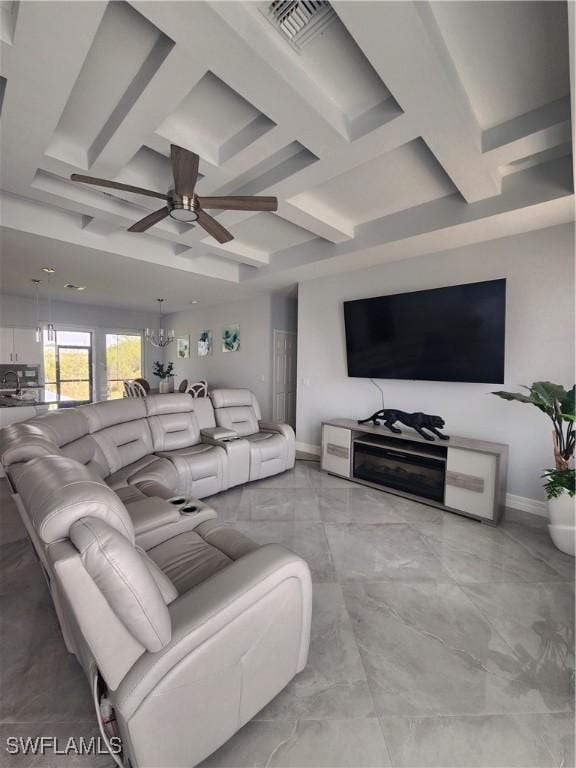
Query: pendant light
50	332
37	302
159	337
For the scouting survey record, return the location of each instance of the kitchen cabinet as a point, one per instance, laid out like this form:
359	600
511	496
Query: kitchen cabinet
19	345
6	345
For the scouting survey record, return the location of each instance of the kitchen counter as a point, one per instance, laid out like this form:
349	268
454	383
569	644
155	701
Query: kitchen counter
12	402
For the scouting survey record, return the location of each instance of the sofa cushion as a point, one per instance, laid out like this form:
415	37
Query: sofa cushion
175	402
147	468
200	460
111	412
240	418
62	427
229	541
229	398
188	560
123	444
172	431
125	579
202	469
87	451
204	412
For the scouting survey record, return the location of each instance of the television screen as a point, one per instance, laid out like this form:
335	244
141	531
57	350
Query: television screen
445	334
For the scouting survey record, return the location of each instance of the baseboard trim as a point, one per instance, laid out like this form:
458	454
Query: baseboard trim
308	448
524	504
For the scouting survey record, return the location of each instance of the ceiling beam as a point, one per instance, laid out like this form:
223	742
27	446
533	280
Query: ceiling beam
403	44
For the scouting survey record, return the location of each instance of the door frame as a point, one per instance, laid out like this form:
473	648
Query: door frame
90	378
103	385
275	333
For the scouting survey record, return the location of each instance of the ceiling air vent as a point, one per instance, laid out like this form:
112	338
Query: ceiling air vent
300	21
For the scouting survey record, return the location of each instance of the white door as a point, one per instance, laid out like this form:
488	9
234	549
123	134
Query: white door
26	349
284	384
6	345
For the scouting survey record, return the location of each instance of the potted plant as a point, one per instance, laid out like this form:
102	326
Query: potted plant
558	405
165	375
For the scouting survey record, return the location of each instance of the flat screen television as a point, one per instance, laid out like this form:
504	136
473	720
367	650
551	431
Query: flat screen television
445	334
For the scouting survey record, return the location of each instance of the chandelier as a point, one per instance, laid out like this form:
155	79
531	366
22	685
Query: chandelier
159	337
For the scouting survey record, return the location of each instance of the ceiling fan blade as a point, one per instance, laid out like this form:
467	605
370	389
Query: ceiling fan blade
213	227
185	170
117	185
149	221
235	203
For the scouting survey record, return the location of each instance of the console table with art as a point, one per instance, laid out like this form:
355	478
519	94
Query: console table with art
459	474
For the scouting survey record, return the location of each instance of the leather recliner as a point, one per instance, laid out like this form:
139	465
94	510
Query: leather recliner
181	444
272	446
192	626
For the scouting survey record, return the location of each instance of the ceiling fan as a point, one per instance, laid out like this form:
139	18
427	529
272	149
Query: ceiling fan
182	204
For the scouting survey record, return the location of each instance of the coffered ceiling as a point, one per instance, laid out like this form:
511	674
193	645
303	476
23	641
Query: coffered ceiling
397	129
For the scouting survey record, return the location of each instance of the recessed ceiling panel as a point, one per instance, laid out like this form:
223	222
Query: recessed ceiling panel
214	121
274	169
126	52
340	74
268	232
403	178
148	169
512	57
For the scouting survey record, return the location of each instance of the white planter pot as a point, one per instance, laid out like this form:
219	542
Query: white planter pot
164	386
562	511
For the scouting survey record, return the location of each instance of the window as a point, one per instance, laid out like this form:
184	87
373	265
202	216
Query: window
123	361
68	367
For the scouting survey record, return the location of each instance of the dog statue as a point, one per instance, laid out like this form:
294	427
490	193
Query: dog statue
417	421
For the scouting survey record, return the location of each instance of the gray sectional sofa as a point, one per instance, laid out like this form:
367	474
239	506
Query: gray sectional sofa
186	626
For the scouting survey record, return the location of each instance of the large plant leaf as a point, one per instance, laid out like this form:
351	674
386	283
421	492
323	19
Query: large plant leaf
518	396
567	404
547	393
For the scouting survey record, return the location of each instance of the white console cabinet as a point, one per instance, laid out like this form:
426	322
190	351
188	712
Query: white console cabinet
459	475
336	450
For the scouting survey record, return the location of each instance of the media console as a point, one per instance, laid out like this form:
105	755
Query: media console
459	475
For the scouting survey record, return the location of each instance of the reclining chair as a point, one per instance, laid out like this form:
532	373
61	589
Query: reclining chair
191	628
272	446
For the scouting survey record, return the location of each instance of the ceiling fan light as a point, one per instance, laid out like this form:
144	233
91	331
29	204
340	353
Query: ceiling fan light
183	214
182	208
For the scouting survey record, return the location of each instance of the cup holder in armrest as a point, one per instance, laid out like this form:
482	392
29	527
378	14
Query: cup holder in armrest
186	506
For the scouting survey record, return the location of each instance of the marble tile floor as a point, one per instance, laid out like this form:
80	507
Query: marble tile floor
436	641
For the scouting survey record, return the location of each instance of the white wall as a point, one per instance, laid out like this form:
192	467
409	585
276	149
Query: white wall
539	267
21	313
251	366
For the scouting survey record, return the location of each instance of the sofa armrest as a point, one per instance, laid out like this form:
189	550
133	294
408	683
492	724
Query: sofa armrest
215	435
150	513
238	453
283	429
289	437
208	611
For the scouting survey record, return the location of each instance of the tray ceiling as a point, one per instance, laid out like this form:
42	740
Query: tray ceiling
399	129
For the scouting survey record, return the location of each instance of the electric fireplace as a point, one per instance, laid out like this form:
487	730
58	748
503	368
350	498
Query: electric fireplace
413	468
